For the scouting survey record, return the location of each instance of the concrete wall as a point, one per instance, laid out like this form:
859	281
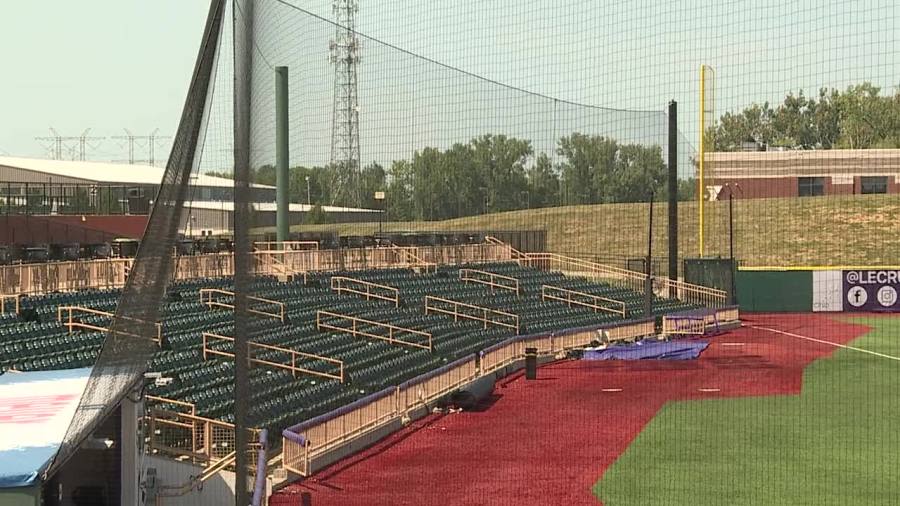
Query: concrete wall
217	490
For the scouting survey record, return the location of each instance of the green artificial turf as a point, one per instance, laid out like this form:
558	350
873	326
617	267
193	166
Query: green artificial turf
836	443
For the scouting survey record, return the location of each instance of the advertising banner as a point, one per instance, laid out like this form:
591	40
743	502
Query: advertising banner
871	290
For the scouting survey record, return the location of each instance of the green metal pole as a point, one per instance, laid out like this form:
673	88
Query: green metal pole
282	216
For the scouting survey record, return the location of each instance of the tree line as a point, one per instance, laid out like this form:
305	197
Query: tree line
492	173
859	117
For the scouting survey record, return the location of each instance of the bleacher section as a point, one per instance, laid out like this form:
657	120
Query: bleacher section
283	397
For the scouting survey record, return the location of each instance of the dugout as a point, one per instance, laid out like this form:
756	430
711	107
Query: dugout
716	273
39	410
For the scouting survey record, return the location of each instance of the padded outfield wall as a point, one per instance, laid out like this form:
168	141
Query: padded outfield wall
814	289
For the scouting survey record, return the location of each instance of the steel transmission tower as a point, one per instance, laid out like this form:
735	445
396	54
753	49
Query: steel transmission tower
344	55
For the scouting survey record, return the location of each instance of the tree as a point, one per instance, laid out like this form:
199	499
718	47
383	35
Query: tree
543	183
600	170
372	179
501	161
399	198
860	117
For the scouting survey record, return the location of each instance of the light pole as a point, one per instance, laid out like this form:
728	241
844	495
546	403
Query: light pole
379	197
308	199
731	188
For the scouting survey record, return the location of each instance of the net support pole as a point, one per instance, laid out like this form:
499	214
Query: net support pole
648	282
282	162
243	58
673	194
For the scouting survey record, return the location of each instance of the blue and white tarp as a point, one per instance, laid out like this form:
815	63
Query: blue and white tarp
35	411
649	350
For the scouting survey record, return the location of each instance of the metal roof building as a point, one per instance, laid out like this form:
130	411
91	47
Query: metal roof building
115	199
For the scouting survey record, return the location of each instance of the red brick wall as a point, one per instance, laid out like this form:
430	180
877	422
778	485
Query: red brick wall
63	229
754	188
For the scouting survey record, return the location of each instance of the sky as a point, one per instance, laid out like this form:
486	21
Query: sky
114	64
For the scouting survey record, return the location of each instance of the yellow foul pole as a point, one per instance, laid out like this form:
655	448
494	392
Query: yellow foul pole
701	189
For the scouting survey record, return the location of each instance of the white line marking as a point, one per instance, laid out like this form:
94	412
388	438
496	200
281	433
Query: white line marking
709	390
611	390
733	344
837	345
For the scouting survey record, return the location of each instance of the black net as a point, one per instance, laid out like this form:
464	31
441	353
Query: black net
472	187
131	337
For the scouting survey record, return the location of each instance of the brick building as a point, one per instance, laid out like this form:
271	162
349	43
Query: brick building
766	174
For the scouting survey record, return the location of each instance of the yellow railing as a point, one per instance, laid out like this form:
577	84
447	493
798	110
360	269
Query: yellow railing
413	258
625	278
71	323
207	297
633	280
354	330
338	284
596	302
269	263
485	315
513	252
16	303
294	354
111	273
687	292
490	279
682	325
181	435
191	408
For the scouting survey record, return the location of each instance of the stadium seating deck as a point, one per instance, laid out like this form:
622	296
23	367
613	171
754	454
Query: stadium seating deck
279	397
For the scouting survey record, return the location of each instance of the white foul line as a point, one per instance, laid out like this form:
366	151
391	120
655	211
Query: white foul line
837	345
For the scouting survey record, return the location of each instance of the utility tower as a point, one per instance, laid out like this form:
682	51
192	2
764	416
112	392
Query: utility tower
75	146
150	141
344	55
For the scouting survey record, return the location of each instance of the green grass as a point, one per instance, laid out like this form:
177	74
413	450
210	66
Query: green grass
847	230
837	443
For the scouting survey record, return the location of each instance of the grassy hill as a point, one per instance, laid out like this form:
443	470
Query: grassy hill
845	230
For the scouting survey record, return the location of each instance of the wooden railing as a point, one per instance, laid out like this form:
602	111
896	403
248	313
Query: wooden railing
10	301
354	330
482	314
207	297
70	322
596	302
490	279
294	354
281	246
365	288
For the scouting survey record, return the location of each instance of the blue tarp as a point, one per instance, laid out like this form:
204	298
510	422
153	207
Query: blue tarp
36	409
658	350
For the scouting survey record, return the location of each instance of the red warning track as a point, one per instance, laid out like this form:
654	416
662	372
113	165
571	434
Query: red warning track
548	441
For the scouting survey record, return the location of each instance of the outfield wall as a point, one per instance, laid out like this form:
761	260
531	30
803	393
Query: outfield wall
819	289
